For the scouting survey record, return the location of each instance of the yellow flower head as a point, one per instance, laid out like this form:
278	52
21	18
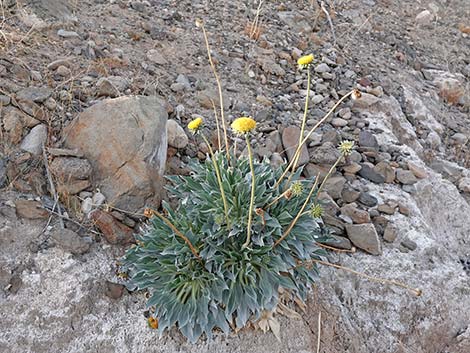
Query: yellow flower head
195	124
152	322
346	147
243	125
297	188
305	60
316	211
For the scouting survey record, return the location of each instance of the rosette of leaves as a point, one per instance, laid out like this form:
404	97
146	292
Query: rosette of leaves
225	285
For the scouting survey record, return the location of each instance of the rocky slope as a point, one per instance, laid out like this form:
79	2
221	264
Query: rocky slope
401	198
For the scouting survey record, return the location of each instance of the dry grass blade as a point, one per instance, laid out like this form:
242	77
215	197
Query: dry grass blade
319	332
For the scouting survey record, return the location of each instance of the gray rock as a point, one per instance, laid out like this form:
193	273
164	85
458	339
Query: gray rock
406	177
367	139
339	122
385	169
34	94
424	18
105	88
464	184
67	34
4	100
290	140
128	160
66	168
409	244
370	174
459	138
334	186
339	242
365	237
326	154
322	68
357	215
367	199
3	171
177	137
390	233
35	140
70	241
350	195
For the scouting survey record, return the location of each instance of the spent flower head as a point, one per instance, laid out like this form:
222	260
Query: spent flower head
152	322
243	125
305	61
346	147
356	94
195	124
297	188
316	211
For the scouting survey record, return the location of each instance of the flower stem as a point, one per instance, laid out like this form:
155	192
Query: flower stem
297	152
333	167
219	179
252	199
219	88
299	214
302	128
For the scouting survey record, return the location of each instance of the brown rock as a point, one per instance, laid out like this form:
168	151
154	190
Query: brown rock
386	170
387	209
114	231
357	215
390	233
313	170
114	290
365	237
125	141
290	140
72	187
418	171
30	209
69	168
352	168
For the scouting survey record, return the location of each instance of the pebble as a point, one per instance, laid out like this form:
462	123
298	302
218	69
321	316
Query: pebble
339	242
390	233
67	34
357	215
387	209
365	237
87	205
367	139
176	135
352	168
114	231
98	199
322	68
63	71
35	140
334	186
464	184
409	244
459	138
68	168
349	195
424	18
30	209
339	122
385	169
418	171
367	199
70	241
114	290
371	174
405	177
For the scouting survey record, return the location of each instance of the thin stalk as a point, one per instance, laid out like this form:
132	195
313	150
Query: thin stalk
309	134
299	214
417	291
219	179
252	199
304	119
219	87
333	167
177	232
216	124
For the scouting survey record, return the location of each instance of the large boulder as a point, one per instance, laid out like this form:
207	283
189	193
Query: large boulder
125	141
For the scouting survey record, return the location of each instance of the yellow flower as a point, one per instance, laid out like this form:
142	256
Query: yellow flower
305	60
195	124
346	147
297	188
152	322
316	211
243	125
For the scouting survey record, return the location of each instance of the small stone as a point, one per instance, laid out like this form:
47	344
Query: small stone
367	199
98	199
4	100
63	71
390	233
418	171
67	34
385	169
350	195
459	138
34	94
339	242
352	168
87	205
326	154
367	139
30	209
57	63
323	67
371	174
365	101
67	168
409	244
434	140
358	216
339	122
464	184
35	140
72	186
404	210
387	209
312	170
106	89
405	177
424	18
290	140
176	135
334	186
365	237
3	172
70	241
114	290
114	231
156	57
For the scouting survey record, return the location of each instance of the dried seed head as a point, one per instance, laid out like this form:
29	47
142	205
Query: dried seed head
356	94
